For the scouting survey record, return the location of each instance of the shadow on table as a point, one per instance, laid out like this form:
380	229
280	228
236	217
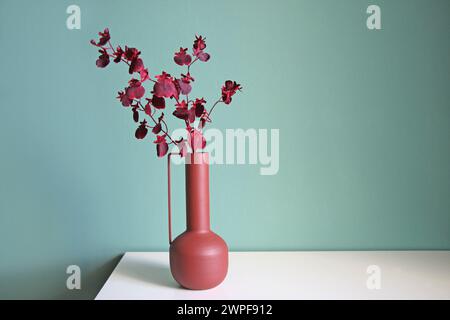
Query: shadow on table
149	271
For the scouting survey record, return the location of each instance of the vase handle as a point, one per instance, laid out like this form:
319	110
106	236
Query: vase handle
168	196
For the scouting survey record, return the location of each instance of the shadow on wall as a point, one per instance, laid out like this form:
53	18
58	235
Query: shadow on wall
93	280
50	282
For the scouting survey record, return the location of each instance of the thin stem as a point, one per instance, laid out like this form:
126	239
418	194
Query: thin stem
190	64
167	129
163	130
121	59
112	55
212	108
208	114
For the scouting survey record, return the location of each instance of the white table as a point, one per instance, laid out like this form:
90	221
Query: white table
292	275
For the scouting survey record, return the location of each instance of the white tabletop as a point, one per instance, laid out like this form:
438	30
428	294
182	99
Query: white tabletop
292	275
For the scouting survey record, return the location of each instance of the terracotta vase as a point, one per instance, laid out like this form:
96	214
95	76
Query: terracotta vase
198	256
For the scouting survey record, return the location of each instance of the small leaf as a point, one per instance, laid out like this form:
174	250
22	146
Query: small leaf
141	132
161	149
135	115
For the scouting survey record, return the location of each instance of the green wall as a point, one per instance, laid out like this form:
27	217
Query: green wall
364	119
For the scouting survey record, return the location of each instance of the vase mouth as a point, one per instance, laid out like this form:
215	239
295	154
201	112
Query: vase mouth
197	158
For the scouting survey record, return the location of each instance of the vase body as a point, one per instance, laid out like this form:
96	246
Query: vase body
198	256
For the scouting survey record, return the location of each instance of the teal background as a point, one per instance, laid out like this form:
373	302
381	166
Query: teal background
364	119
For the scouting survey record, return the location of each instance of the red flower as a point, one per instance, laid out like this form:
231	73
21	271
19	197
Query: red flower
182	104
228	90
199	106
142	130
165	86
136	65
199	46
161	146
182	58
118	54
203	56
187	78
126	102
103	59
196	140
185	87
104	38
181	110
131	53
135	90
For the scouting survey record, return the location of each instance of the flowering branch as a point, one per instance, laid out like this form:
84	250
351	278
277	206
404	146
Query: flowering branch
165	87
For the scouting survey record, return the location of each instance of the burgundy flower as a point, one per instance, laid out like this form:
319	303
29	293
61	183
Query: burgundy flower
203	56
135	92
165	86
199	46
135	89
158	102
126	102
182	58
104	38
118	54
185	87
196	140
228	90
199	106
182	104
136	65
103	59
131	53
161	145
181	110
142	130
187	78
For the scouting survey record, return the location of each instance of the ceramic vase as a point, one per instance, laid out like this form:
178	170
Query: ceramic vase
198	256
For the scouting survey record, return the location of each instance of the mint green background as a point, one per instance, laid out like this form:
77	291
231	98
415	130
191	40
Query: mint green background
364	119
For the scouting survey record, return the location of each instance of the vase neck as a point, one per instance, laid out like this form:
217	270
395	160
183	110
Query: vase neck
197	192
